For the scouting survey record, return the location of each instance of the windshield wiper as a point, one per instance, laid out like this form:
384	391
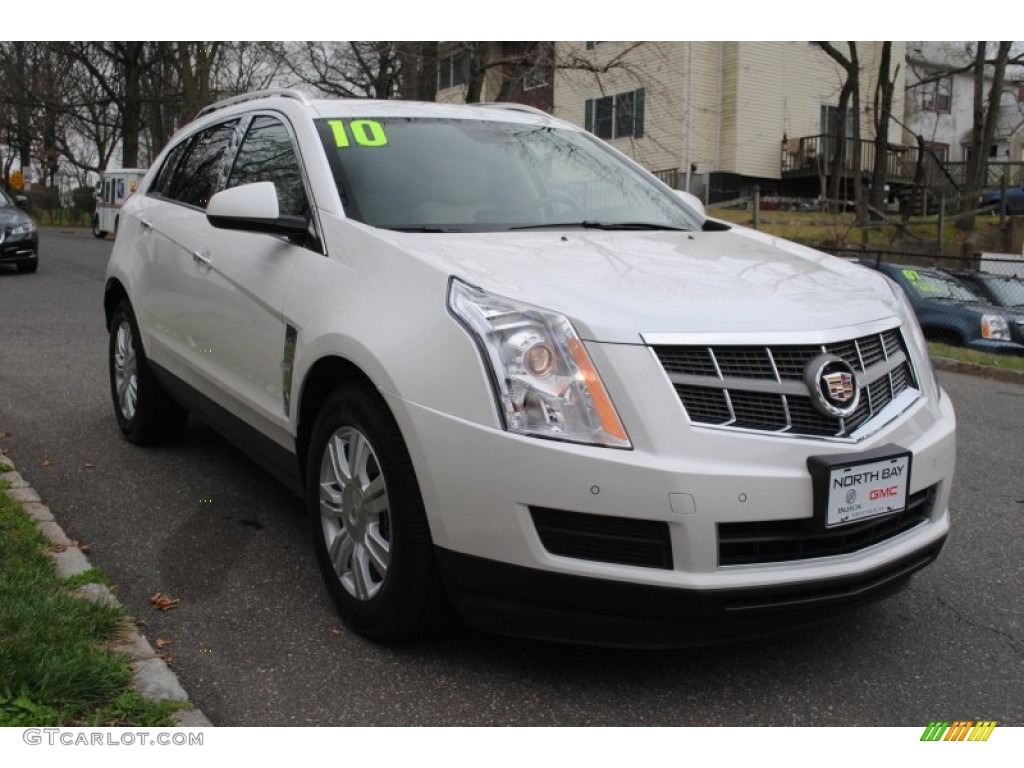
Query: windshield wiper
610	225
426	228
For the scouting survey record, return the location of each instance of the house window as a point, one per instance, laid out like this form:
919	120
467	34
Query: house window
939	151
937	96
613	117
453	70
538	77
592	44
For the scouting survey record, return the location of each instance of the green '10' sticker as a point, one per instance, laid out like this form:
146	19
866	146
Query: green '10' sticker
365	133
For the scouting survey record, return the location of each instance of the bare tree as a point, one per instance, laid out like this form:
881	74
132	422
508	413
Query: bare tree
345	70
884	92
851	92
986	115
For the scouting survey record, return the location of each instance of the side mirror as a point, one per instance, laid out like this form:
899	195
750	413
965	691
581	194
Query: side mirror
253	208
692	201
21	201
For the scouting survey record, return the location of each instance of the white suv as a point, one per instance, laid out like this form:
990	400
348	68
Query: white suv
510	370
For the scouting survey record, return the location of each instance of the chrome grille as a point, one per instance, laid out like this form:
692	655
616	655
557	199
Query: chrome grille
761	387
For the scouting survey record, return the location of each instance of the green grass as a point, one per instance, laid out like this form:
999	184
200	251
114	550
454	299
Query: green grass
55	664
91	576
1006	362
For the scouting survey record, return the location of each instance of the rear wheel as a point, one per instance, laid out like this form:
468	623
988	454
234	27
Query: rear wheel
366	515
96	231
145	412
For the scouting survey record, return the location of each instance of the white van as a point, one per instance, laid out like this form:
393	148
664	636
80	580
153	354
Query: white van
114	188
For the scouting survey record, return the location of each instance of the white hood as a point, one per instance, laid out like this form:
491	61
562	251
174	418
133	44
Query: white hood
616	285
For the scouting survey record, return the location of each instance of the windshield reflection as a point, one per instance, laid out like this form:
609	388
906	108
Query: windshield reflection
470	175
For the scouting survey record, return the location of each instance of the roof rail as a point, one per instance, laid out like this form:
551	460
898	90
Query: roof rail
288	93
513	106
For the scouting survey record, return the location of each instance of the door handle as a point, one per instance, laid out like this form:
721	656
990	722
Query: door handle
146	225
202	259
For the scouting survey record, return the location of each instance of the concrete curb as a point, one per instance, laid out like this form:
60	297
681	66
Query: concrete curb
974	369
154	680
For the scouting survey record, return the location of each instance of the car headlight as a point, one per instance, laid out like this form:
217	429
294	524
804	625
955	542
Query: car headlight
544	380
24	229
995	327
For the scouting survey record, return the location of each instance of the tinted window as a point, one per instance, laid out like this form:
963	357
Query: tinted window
195	177
935	285
267	154
162	182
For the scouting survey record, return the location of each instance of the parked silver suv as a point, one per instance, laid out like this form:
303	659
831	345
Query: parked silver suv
509	369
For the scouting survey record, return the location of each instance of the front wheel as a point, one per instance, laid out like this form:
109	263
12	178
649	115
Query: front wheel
369	526
96	231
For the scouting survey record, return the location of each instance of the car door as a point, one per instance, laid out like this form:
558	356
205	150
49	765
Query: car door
175	231
246	276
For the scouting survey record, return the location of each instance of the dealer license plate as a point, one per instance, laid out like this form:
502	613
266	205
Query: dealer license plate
861	491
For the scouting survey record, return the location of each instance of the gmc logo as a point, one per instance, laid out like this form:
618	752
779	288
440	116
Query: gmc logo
882	493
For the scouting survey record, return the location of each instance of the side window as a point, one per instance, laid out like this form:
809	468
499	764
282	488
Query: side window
267	154
195	175
162	182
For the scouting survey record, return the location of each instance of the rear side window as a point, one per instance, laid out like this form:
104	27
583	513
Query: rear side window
267	154
195	175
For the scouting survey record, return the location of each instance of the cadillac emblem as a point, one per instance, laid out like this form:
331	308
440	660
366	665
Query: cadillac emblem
833	385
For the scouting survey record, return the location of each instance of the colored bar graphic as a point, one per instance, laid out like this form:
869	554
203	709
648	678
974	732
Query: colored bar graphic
935	730
958	730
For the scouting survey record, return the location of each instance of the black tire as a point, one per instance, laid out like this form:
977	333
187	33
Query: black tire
406	600
96	231
26	267
153	417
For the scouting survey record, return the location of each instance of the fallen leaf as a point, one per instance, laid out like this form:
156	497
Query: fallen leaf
5	435
86	548
57	547
168	659
87	465
335	630
46	463
162	643
164	602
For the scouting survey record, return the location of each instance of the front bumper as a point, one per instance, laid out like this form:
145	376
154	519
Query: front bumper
19	248
524	602
483	487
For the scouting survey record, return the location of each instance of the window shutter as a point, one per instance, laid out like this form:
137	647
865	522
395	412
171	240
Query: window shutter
588	115
638	113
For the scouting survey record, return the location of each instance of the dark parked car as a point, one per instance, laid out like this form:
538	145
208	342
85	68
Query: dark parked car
951	312
19	240
1014	199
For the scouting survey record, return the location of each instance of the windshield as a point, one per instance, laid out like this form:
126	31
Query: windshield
476	176
1008	291
4	199
935	285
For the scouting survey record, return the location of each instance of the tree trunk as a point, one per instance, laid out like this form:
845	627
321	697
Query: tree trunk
883	108
418	70
986	115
